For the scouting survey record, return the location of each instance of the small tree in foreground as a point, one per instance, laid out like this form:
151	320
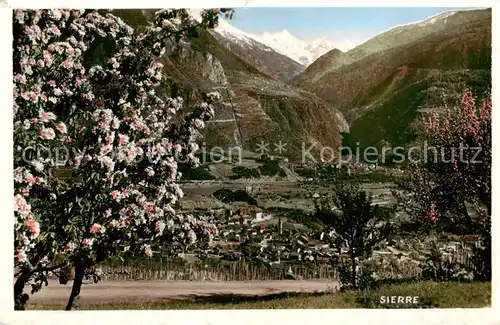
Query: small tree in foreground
354	222
121	142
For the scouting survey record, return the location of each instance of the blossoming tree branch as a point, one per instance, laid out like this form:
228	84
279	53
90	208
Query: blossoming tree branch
122	190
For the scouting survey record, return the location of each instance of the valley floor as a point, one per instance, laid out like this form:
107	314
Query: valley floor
265	295
132	291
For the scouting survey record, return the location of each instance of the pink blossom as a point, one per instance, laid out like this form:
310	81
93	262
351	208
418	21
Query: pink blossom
20	16
20	78
115	195
78	160
24	191
21	256
97	228
33	226
110	138
30	95
67	63
21	206
47	133
61	127
177	148
46	116
160	226
54	30
485	110
148	251
18	175
88	96
70	246
24	239
166	24
172	165
110	179
149	208
30	179
106	148
122	139
167	144
108	162
37	89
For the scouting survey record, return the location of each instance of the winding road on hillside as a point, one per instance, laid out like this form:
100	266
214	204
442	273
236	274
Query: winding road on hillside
113	291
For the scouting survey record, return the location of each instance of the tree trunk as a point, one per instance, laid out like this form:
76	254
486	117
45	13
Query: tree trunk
77	285
19	298
353	276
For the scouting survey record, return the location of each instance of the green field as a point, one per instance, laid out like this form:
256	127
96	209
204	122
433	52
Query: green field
430	295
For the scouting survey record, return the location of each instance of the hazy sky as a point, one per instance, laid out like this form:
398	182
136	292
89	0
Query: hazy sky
337	24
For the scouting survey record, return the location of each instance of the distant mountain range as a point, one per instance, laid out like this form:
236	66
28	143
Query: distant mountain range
280	54
301	51
278	87
267	59
305	52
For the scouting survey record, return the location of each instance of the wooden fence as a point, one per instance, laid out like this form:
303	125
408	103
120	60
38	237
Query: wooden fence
238	271
165	269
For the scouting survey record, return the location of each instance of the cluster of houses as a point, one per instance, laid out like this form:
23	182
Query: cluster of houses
246	233
356	168
244	236
247	214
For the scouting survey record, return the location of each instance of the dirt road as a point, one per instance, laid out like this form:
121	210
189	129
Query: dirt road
126	291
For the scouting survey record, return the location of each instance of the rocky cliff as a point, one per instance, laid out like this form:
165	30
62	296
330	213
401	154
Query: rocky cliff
255	107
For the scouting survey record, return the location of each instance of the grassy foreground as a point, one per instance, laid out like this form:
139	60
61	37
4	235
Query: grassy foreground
430	295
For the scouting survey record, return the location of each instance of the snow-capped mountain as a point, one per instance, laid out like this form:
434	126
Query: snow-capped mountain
305	52
318	47
234	34
283	42
257	54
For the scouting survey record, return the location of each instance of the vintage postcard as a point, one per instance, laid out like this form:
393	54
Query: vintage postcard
252	158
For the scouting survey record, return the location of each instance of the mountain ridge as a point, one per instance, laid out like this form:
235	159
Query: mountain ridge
401	35
381	93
